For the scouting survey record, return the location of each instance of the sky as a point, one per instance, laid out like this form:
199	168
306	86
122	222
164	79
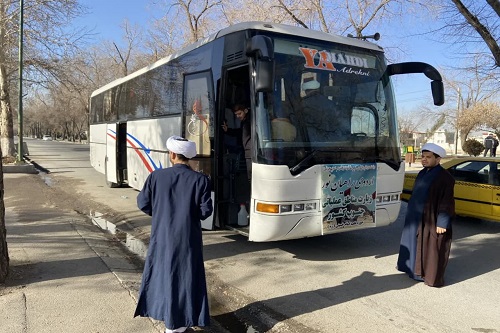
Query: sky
106	16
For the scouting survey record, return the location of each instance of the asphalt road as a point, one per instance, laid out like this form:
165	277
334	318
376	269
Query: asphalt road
345	282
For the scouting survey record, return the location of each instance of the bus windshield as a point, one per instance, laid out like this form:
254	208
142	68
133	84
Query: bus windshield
331	103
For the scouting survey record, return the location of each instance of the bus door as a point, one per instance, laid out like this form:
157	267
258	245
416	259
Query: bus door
233	186
198	119
121	153
116	155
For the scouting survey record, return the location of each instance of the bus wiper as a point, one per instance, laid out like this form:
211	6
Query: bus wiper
303	161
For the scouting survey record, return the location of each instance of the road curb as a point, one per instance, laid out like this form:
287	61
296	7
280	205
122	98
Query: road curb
19	168
230	305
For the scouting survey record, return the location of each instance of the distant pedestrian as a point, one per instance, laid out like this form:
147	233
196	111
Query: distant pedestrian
495	145
173	285
489	144
427	232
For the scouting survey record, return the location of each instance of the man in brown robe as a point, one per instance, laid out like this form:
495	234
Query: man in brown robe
426	237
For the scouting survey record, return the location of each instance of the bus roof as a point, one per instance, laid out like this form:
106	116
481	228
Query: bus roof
297	31
253	25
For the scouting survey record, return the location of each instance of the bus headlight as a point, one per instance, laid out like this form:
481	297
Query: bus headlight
387	198
271	208
298	207
267	208
310	206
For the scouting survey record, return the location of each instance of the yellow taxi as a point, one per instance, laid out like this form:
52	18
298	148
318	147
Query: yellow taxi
477	186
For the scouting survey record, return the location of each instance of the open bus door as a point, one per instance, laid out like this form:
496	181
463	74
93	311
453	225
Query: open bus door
116	154
232	185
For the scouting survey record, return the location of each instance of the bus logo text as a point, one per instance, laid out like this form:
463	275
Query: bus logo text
325	60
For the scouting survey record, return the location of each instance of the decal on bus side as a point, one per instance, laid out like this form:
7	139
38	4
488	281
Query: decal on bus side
140	149
348	195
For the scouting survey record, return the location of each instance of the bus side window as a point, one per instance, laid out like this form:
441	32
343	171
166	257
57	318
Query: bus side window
96	108
108	105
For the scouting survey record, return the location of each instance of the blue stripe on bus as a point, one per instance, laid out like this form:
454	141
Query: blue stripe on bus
146	150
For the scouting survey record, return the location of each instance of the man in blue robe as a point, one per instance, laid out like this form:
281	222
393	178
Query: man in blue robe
173	285
426	237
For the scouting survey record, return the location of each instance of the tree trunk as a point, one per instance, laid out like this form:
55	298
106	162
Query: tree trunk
4	253
6	122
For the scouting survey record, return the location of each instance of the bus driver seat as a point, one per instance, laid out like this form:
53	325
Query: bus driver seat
283	130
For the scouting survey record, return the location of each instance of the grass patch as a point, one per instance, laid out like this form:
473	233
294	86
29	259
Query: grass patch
9	160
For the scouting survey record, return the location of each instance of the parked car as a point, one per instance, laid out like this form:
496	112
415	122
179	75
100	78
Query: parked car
477	186
47	137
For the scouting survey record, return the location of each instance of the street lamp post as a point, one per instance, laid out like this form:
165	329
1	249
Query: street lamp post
20	106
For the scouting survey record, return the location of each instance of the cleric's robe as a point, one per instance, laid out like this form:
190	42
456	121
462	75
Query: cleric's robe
423	254
173	285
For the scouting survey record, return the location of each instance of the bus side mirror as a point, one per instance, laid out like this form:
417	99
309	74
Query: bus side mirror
264	76
261	47
437	92
437	87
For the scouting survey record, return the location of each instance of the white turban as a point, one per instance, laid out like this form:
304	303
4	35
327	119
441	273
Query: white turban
438	150
179	145
310	85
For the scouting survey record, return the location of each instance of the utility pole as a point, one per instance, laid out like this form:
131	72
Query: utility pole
20	106
456	121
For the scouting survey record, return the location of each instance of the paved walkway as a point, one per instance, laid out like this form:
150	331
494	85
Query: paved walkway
66	275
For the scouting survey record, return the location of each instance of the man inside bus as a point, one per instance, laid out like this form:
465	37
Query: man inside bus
282	128
318	114
243	134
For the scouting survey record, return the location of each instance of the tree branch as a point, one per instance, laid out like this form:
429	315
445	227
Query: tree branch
481	29
495	4
292	15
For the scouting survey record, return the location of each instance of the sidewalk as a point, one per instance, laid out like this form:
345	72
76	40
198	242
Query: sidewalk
66	275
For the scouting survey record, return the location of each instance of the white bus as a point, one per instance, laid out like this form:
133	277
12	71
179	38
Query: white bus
325	145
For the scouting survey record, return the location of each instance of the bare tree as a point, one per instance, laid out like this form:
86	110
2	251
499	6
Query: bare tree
312	14
472	25
7	38
415	119
475	94
61	107
484	26
123	57
409	123
339	16
197	22
492	115
255	10
195	14
478	116
163	38
362	13
44	43
4	252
